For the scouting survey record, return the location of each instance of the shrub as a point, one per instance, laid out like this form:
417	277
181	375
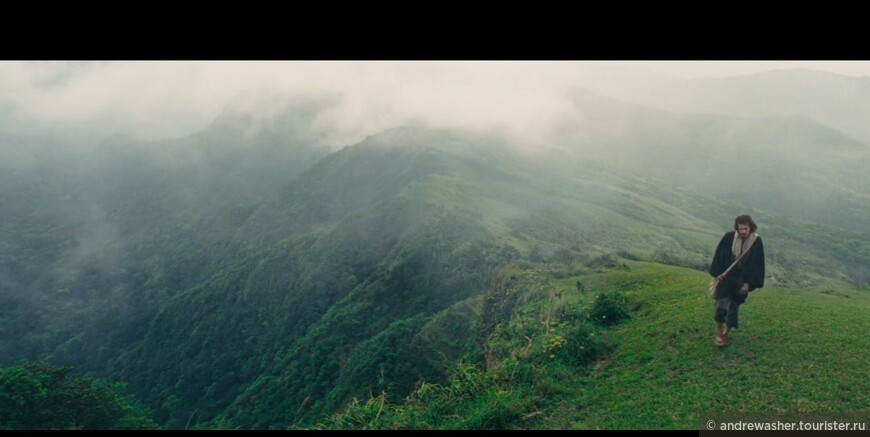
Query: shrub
609	309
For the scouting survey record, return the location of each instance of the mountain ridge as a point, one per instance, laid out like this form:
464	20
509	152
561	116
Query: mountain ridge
315	287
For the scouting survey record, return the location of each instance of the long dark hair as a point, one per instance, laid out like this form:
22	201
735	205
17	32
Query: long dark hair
745	219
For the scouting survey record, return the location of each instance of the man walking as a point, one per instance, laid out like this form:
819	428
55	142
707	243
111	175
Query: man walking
748	274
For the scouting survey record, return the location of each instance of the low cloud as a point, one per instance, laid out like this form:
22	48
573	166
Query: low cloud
156	100
167	99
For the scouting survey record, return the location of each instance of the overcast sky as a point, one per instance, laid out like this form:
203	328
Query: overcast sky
696	69
155	100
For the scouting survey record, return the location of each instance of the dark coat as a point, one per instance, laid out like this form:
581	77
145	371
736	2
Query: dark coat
750	269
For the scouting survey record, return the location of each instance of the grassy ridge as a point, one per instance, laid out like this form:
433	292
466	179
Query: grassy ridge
795	351
302	297
550	365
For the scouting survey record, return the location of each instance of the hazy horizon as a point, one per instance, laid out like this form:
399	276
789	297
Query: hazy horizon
155	100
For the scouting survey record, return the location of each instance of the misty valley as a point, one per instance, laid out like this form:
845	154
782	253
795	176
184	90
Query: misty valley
258	275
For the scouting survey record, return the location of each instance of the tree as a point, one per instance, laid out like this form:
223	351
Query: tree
38	395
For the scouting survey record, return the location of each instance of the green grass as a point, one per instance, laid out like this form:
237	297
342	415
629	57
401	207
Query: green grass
795	351
550	364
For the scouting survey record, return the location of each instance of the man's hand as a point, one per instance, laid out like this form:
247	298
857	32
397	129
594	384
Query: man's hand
720	278
745	288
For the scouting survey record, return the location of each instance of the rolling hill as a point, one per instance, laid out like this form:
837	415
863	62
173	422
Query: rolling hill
259	279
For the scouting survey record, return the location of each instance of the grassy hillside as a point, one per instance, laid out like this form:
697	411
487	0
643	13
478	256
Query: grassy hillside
379	239
269	287
795	351
788	164
552	362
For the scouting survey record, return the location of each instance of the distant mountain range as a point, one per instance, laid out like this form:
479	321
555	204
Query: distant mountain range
252	276
837	101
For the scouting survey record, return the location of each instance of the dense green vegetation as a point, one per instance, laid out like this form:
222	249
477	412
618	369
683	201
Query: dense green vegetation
249	277
553	363
37	395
